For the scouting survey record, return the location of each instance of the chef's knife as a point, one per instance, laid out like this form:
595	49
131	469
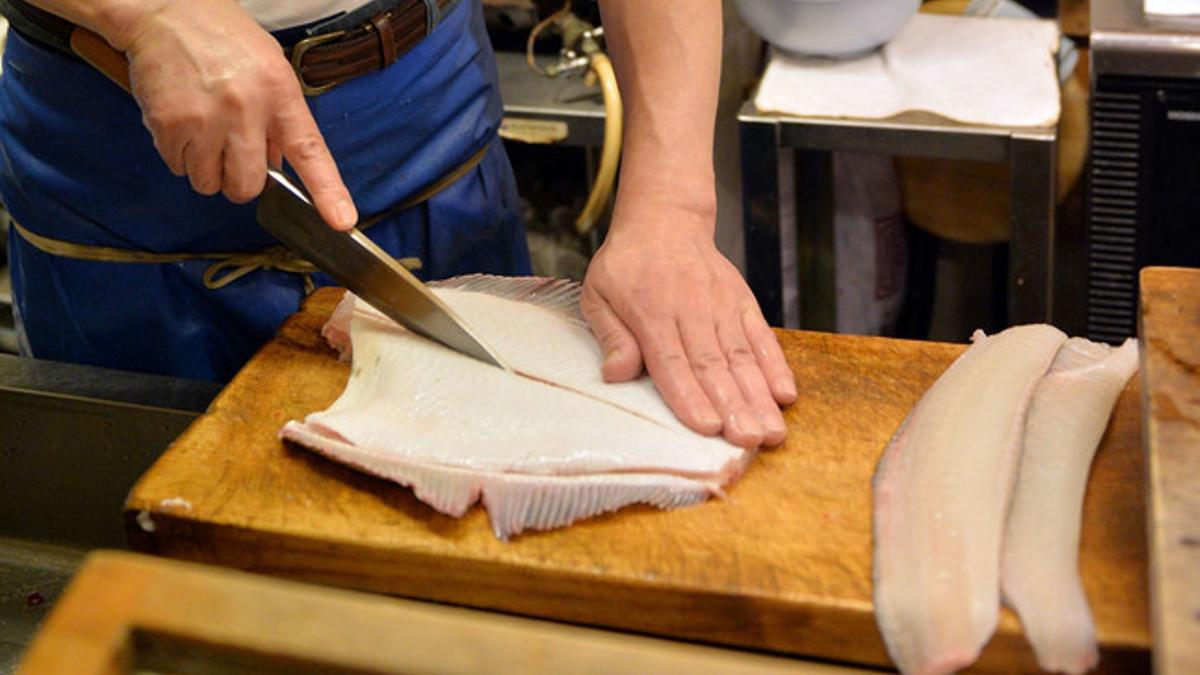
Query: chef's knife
287	213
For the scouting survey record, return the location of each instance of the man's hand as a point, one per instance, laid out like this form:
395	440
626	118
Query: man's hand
659	293
221	101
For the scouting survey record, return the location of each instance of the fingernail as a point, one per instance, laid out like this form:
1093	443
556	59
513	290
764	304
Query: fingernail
345	213
786	386
745	424
775	425
710	419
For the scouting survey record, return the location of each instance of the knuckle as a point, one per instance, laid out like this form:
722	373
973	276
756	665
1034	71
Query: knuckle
673	359
647	314
166	124
207	189
739	356
170	157
234	98
239	194
589	303
205	184
276	70
707	362
280	78
609	338
155	120
305	148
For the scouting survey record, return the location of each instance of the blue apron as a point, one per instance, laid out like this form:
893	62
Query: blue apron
78	166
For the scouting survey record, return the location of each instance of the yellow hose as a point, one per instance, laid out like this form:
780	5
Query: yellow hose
610	153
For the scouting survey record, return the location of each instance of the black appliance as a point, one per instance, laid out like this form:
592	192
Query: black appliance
1144	180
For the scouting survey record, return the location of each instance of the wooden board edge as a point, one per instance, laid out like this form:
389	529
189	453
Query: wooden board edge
1173	630
759	623
121	597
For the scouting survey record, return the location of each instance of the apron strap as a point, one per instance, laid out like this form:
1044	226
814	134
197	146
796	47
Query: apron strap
430	190
229	267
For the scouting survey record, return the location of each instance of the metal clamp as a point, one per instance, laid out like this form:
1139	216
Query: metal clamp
298	51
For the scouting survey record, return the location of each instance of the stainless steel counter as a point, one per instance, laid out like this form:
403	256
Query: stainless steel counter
1127	41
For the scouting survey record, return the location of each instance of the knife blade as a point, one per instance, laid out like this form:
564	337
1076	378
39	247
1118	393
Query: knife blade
356	262
285	211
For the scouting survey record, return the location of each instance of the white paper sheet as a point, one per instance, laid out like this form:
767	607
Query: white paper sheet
991	71
1173	7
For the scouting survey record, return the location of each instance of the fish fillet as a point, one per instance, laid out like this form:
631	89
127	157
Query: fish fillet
941	494
1040	562
540	447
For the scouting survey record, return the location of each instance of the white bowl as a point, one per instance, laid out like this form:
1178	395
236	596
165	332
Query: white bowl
836	28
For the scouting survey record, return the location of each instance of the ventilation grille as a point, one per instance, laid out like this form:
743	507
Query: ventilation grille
1113	216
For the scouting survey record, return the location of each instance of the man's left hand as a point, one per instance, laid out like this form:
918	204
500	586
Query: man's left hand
658	293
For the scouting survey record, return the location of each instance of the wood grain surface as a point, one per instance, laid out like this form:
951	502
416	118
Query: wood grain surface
782	564
128	613
1170	333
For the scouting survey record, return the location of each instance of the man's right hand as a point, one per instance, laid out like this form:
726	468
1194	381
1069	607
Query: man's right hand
222	102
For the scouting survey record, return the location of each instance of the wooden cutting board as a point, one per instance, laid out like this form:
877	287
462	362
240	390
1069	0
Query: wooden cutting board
1170	332
782	564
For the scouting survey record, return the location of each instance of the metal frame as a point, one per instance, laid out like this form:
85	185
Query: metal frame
74	439
1029	152
563	99
1127	41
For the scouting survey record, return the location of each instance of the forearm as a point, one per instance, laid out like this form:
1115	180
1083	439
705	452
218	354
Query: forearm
667	56
112	19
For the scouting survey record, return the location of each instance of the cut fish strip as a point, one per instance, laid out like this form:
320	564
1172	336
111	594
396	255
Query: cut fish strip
541	447
1040	563
942	490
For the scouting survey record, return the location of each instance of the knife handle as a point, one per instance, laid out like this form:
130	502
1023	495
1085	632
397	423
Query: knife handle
103	57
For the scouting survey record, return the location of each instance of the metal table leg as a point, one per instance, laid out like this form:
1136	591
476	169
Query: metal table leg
1031	252
814	222
760	216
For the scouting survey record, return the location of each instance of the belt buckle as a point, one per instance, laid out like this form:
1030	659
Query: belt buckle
298	51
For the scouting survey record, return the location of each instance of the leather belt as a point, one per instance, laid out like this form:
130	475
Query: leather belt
325	60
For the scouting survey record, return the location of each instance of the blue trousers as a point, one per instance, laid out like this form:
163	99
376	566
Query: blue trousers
78	166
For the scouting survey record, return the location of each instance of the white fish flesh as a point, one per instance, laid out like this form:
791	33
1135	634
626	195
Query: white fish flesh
542	446
942	490
1040	564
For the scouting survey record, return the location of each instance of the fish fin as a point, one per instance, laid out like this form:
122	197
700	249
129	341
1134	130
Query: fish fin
514	502
517	502
557	295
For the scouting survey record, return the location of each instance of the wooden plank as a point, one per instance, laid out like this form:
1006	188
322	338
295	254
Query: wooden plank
1170	334
783	564
125	613
1074	18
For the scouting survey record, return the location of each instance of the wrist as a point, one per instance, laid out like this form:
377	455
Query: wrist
676	197
650	213
121	21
